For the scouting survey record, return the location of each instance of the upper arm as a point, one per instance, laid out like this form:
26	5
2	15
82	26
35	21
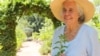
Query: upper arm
54	40
94	44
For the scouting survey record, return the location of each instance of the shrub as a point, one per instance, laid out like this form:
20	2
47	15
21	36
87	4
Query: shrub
45	48
20	36
45	35
35	35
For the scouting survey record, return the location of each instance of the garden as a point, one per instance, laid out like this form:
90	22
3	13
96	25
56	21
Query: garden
22	20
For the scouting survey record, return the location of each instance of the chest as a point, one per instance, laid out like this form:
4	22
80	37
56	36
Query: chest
76	48
70	35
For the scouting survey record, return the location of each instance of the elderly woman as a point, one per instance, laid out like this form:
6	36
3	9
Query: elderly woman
81	39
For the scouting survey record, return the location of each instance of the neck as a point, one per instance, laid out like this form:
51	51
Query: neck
71	31
73	27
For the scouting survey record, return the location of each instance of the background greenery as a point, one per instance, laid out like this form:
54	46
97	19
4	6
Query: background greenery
16	15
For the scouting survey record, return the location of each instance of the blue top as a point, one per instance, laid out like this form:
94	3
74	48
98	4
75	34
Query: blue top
85	43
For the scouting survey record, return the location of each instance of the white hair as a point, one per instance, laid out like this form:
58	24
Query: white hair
80	10
81	14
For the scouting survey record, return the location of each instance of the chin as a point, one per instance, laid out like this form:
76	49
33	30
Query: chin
68	23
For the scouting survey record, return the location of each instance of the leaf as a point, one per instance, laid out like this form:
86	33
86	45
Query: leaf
62	50
55	47
65	46
57	42
3	27
58	54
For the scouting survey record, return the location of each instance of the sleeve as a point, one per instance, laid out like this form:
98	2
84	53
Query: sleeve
94	44
54	51
54	40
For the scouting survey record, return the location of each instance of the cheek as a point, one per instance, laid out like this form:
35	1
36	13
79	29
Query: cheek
75	17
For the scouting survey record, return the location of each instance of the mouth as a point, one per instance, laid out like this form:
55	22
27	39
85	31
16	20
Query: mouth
67	18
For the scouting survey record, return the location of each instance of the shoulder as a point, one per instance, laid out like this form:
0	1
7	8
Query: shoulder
57	32
89	29
91	32
59	29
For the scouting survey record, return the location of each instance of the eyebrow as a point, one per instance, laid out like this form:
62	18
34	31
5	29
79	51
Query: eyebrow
69	8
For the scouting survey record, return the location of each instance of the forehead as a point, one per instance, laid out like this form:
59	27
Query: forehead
69	3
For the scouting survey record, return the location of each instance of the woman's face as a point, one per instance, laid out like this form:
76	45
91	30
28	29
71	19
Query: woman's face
70	12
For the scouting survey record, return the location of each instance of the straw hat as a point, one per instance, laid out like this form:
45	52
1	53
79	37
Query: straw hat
87	6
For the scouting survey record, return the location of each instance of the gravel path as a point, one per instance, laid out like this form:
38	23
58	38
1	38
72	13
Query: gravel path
29	48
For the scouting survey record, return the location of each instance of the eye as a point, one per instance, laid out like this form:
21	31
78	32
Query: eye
64	10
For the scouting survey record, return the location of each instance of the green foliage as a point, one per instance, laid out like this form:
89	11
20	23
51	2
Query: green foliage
7	38
20	36
97	2
35	35
46	31
96	21
36	22
62	47
33	21
22	22
7	53
45	36
10	10
46	47
7	30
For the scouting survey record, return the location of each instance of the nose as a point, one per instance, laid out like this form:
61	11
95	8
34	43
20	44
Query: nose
65	13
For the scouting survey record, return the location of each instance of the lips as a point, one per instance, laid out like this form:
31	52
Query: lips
67	18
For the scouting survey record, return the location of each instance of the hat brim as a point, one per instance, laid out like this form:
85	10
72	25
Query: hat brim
88	8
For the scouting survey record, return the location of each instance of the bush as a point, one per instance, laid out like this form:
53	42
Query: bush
47	31
35	35
96	22
45	48
20	36
45	36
